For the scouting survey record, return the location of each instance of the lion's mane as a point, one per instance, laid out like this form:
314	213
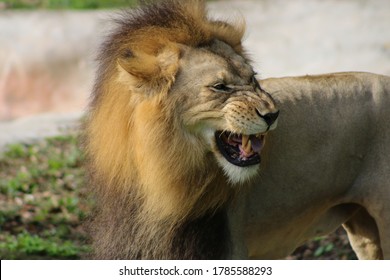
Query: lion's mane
156	196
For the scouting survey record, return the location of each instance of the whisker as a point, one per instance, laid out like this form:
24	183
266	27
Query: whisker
222	132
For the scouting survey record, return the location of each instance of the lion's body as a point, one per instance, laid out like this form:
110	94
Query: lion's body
327	164
177	128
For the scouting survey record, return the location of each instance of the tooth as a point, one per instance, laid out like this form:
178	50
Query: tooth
248	147
244	140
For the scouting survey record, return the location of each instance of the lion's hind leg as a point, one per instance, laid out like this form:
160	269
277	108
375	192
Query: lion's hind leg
363	235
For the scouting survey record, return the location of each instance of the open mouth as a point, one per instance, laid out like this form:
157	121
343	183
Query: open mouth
240	149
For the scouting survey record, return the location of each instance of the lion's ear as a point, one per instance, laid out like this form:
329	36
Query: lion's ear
158	70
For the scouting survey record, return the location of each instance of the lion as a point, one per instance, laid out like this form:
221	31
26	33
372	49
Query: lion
327	164
185	162
176	125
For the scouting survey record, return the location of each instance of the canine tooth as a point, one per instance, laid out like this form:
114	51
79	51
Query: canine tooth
244	140
248	147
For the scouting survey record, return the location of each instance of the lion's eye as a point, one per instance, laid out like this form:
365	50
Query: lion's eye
221	87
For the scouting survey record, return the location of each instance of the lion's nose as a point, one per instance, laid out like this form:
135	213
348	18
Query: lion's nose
269	118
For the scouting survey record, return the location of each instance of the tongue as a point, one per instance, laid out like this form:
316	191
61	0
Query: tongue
257	144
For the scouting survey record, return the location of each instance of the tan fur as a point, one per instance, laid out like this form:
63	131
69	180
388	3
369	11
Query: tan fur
154	167
327	164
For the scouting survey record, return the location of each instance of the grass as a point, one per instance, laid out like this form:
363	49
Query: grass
43	203
43	200
67	4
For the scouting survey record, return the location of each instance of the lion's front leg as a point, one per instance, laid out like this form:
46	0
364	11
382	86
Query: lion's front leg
383	221
363	235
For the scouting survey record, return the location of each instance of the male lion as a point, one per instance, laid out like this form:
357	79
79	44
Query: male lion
176	128
177	120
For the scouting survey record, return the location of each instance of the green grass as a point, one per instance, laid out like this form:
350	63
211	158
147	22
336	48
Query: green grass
26	245
44	202
68	4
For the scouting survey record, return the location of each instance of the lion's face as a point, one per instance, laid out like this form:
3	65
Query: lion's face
221	104
202	101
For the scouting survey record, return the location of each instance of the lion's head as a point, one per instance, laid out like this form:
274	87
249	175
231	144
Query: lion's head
176	104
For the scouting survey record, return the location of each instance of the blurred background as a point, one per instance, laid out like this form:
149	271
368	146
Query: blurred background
47	51
47	48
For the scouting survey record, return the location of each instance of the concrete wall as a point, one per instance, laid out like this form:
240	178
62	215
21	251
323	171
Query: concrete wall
46	58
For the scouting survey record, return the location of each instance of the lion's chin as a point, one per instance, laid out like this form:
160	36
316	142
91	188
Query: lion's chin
237	154
238	175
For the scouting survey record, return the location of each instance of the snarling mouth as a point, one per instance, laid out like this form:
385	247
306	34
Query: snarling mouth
240	149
